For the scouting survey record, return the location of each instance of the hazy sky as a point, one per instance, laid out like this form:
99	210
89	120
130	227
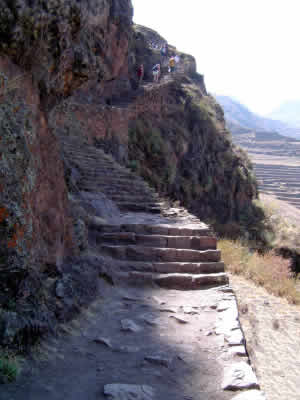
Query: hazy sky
247	49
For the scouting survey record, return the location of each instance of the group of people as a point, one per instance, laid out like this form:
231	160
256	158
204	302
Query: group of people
156	69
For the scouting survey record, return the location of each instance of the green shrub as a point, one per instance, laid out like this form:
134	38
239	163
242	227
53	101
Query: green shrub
133	165
9	368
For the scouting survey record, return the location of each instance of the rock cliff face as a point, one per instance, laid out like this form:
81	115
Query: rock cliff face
35	225
68	69
185	151
183	148
50	51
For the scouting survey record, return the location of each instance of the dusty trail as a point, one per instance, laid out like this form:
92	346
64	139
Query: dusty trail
188	358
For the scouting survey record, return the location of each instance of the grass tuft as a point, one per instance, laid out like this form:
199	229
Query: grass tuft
269	270
9	368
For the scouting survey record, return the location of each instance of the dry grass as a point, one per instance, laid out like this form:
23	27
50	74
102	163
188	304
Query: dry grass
284	220
269	270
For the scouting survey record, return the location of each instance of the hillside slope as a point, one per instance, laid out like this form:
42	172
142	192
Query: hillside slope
240	119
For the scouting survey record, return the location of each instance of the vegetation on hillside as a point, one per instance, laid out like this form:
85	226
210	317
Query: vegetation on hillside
9	367
186	154
269	270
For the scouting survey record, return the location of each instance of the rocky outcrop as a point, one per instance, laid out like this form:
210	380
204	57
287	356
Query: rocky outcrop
185	151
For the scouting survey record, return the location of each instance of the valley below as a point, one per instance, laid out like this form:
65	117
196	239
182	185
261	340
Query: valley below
276	165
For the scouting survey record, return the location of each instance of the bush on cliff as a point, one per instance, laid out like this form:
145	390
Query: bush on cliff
9	368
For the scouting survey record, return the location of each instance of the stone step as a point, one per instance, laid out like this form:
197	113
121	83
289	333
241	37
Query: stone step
273	188
85	148
89	159
129	197
109	189
103	180
139	206
172	267
109	174
286	185
152	210
159	229
277	167
273	178
287	196
108	192
94	164
175	242
126	183
278	172
147	253
268	171
285	193
116	184
92	167
279	177
177	281
290	201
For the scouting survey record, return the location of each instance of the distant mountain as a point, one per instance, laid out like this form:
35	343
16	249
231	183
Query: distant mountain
288	112
241	120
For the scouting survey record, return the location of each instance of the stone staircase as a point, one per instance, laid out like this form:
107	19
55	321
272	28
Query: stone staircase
178	252
99	172
171	257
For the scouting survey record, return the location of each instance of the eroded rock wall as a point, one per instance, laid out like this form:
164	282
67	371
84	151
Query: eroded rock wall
50	51
36	228
67	43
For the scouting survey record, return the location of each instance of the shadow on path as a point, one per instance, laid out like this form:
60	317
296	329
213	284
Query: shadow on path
183	363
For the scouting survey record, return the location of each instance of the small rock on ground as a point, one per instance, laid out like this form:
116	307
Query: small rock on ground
239	376
118	391
130	326
159	360
179	319
103	340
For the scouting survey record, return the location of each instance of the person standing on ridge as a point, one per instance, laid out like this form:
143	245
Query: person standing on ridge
172	64
163	50
156	72
140	73
166	49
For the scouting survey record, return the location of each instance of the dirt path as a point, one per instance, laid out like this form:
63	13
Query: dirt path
272	330
172	347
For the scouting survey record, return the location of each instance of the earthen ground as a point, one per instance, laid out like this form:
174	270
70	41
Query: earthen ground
272	330
76	366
